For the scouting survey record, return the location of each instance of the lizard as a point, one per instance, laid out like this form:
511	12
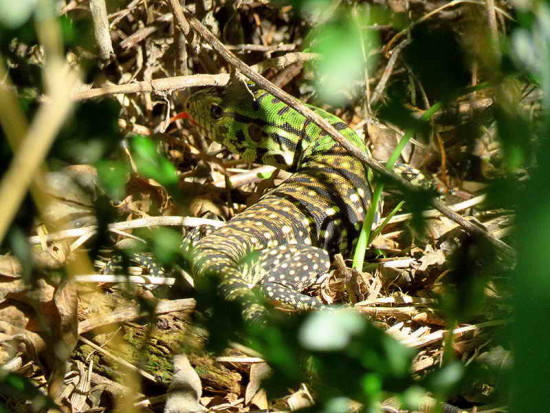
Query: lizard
291	233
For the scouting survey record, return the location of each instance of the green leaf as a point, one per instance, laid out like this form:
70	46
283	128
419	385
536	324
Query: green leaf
151	164
113	176
20	388
413	397
166	244
337	405
330	330
445	380
344	48
14	13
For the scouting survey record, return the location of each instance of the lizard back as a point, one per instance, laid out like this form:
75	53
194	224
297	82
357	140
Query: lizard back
283	241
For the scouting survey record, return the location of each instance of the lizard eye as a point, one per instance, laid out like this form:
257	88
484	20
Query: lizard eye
216	111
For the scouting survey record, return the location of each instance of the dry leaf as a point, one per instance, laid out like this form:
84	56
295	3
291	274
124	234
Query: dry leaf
300	399
9	267
431	258
258	372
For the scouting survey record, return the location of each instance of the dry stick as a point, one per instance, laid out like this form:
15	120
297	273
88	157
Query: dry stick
101	29
125	225
128	279
245	178
457	332
284	61
138	36
324	124
388	70
493	28
181	82
433	213
171	83
262	48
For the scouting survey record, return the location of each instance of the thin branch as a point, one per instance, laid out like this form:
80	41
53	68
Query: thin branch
432	213
101	29
182	82
132	279
125	225
262	48
119	360
388	71
457	332
155	85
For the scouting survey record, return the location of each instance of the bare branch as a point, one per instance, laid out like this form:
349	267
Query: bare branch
101	29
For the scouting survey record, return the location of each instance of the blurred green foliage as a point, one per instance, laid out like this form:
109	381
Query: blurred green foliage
14	14
20	388
113	176
151	163
531	47
345	47
341	354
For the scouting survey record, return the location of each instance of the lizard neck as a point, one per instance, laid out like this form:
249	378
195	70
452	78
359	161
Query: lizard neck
318	147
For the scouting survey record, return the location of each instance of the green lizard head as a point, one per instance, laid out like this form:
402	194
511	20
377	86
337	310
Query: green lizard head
249	121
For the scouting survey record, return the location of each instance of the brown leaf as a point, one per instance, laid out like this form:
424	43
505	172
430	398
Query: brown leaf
9	267
431	258
254	393
300	399
14	340
384	140
53	257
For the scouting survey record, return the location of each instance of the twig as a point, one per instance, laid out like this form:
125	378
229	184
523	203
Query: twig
132	127
401	313
434	213
493	28
245	177
457	332
136	223
101	29
325	124
132	279
388	70
182	82
244	360
262	48
155	85
138	36
284	61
